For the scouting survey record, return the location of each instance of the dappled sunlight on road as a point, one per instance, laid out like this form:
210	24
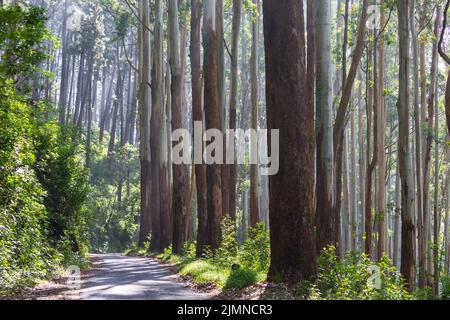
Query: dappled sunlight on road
126	278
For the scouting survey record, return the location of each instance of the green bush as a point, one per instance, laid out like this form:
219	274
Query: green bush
62	174
190	250
356	277
229	267
445	281
227	254
42	181
202	271
255	252
423	294
24	251
241	278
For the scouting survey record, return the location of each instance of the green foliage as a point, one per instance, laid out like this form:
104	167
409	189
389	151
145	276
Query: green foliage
24	252
241	278
423	294
255	252
202	271
228	267
61	172
190	250
226	255
356	277
445	281
42	181
114	197
251	8
23	41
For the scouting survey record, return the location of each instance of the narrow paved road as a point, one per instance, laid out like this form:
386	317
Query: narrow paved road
126	278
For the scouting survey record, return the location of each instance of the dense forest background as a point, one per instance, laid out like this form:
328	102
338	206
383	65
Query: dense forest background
90	92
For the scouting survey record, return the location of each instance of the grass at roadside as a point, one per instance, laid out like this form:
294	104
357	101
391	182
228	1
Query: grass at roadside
230	267
20	284
203	271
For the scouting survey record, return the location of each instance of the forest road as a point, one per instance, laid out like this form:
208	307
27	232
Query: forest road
130	278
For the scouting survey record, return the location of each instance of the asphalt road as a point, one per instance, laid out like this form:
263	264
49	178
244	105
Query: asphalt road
129	278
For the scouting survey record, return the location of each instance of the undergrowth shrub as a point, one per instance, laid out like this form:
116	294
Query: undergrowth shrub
241	278
255	252
189	250
445	281
356	277
226	255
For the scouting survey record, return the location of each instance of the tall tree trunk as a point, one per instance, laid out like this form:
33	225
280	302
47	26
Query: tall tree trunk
353	202
220	36
177	123
418	140
144	121
72	85
197	112
362	171
446	245
371	109
325	220
187	176
436	209
339	126
91	108
425	253
237	13
104	115
212	120
381	132
345	212
397	228
407	252
447	115
160	145
290	109
118	102
64	69
254	168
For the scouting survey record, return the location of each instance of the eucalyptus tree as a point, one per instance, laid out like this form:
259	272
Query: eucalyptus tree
446	58
407	197
236	27
63	91
197	114
144	120
418	145
212	120
177	123
425	255
340	122
161	127
290	109
381	132
254	170
324	126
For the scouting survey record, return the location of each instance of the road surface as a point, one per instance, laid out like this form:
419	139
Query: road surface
129	278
